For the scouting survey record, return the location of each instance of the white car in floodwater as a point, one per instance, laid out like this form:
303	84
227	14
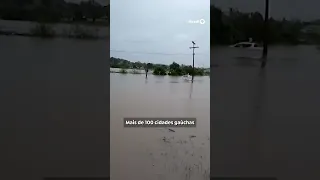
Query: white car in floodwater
187	77
247	45
248	49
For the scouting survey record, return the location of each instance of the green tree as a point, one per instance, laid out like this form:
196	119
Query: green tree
175	70
187	70
159	71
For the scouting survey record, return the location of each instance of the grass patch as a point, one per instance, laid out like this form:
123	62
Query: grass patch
42	30
81	32
134	71
123	71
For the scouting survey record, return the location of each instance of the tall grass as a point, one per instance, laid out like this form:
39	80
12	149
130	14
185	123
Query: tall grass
42	30
134	71
123	71
81	32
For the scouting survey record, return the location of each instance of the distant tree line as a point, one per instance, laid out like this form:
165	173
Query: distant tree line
125	64
234	26
52	10
173	69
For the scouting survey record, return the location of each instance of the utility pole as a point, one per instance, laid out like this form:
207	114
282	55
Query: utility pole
265	35
193	47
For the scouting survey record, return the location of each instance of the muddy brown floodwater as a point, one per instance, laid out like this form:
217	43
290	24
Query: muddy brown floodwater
266	123
53	108
158	153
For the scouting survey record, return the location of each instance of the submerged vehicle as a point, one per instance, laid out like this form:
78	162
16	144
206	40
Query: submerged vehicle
247	45
248	49
187	77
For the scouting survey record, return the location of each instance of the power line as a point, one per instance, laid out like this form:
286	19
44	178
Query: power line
155	53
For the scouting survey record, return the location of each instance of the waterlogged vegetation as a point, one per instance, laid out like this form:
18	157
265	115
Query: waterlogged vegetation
75	31
134	71
84	18
173	69
178	70
80	32
123	71
42	30
160	71
55	11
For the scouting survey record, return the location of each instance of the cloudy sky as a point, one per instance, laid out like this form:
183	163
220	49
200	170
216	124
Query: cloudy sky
158	31
293	9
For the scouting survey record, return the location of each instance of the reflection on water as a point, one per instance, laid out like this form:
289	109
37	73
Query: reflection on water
265	122
175	153
191	88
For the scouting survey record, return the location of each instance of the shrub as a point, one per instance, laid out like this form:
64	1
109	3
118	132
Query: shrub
176	72
81	32
134	71
160	71
123	71
199	72
42	30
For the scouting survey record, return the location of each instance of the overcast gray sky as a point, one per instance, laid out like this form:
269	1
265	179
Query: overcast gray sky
141	27
296	9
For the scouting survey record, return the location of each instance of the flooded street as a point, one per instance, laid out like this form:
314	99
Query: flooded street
54	119
266	123
158	153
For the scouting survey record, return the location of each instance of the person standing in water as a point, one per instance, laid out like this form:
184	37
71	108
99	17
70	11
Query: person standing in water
147	70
